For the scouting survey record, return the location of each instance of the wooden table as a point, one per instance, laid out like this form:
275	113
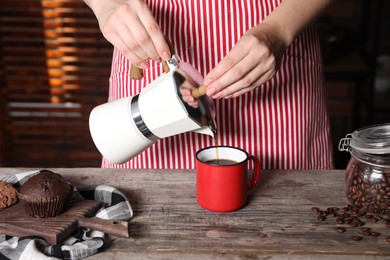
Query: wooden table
277	222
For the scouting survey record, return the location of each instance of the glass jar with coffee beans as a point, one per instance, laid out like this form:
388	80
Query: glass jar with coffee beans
367	178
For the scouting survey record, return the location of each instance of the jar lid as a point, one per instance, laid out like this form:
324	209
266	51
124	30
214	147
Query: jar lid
374	139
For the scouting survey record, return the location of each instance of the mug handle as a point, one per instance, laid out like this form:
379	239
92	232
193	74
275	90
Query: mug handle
256	172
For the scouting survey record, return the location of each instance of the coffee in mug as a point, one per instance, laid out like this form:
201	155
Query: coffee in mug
221	162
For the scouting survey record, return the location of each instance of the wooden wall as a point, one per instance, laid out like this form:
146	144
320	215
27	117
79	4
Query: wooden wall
55	66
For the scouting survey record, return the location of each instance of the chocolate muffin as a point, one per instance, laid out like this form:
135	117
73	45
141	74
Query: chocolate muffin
45	194
8	195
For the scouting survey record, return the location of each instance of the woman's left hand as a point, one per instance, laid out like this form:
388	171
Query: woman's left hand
252	61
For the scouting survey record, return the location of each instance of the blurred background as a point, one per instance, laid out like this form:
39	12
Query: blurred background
55	64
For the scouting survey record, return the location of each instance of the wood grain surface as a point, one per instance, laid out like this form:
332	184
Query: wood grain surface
277	222
15	221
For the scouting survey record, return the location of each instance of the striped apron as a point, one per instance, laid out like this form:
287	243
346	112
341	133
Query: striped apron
283	122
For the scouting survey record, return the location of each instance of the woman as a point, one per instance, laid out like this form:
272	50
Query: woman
261	62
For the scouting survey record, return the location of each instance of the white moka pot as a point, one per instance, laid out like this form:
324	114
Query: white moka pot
124	128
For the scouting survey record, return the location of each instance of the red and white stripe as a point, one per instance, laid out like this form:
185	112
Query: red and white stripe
284	122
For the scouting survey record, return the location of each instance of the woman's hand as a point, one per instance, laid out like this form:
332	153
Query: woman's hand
252	61
256	56
130	26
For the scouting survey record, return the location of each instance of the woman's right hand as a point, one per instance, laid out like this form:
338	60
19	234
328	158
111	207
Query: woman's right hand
129	25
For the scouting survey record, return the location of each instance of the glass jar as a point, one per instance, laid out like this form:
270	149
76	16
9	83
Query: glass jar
367	177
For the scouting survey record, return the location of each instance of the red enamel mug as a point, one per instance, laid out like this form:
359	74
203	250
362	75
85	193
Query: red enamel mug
223	179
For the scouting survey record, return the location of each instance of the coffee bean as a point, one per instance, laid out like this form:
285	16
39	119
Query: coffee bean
346	215
361	212
365	229
367	233
348	220
315	209
368	192
340	229
374	219
321	218
353	217
375	234
356	238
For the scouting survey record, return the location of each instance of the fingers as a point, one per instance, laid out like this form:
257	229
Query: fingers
230	76
132	29
249	64
126	44
143	43
155	35
248	83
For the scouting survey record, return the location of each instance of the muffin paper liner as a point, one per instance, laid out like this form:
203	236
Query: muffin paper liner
40	207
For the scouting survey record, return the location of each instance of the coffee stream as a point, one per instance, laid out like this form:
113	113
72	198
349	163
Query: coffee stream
216	147
217	161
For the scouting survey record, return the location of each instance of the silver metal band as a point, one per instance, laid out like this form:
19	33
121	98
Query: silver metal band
139	122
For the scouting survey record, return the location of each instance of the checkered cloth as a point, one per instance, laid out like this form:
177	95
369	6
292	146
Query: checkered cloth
84	242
